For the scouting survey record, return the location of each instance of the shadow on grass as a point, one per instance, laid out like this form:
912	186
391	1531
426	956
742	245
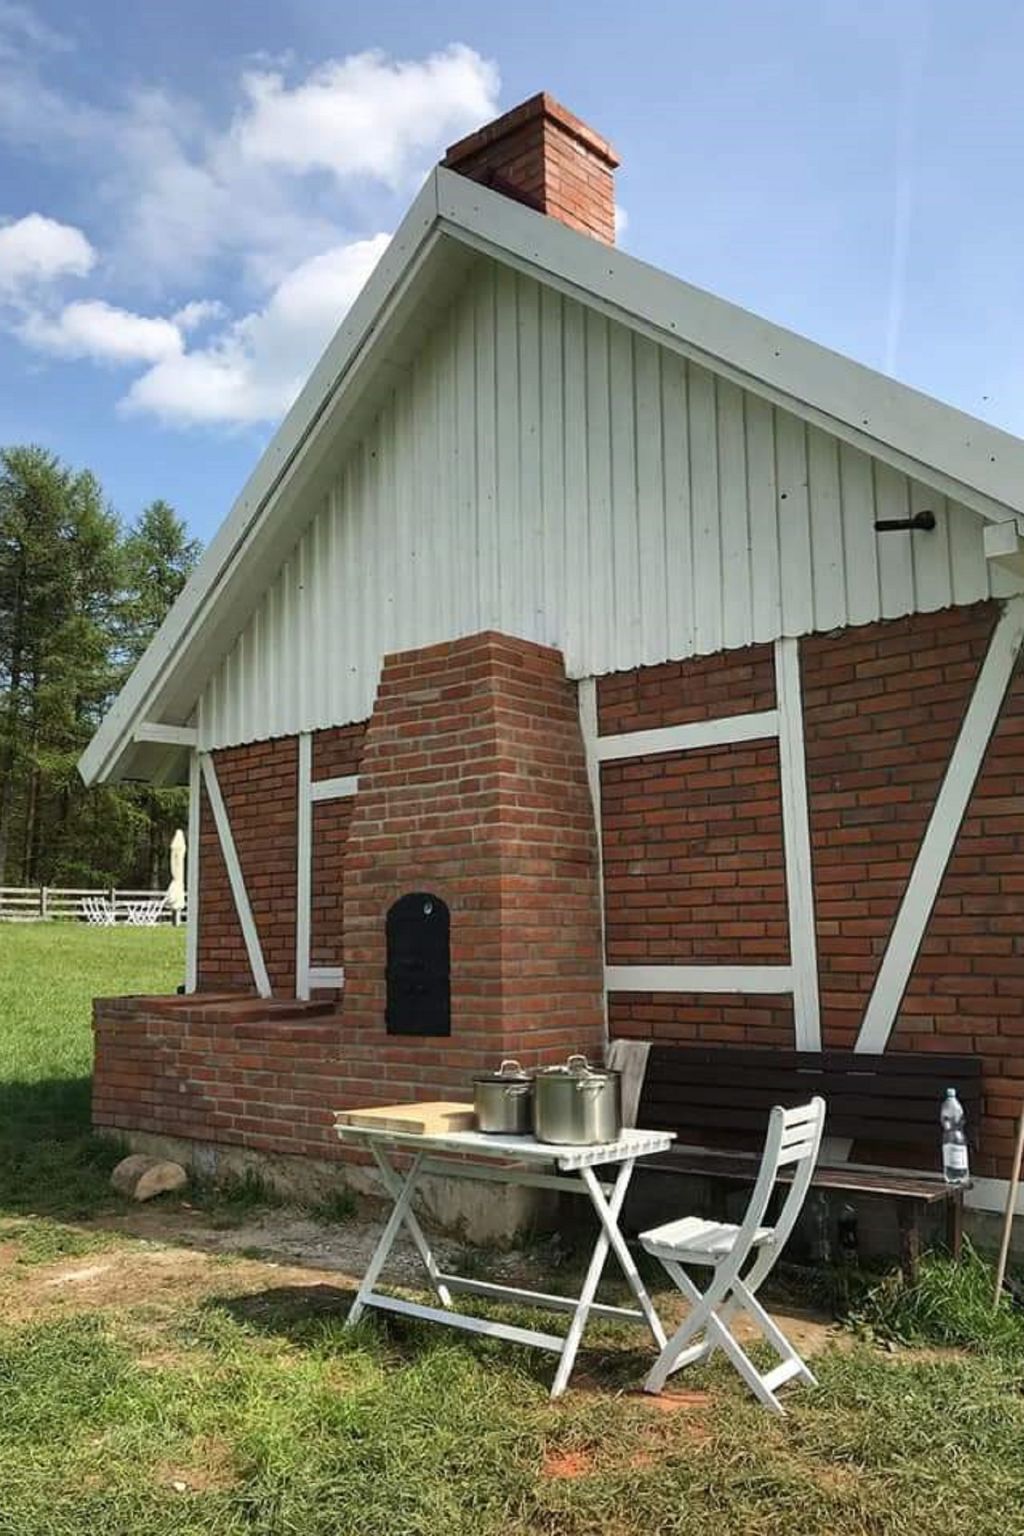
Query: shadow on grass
314	1316
51	1163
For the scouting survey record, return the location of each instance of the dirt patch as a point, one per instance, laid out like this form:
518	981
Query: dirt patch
672	1402
567	1464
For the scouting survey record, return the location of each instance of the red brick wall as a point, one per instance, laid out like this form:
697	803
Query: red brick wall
265	1075
473	786
693	858
882	707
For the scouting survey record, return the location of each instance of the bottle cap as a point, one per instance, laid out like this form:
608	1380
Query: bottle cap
950	1091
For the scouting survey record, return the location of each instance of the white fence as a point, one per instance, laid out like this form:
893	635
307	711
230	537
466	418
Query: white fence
29	903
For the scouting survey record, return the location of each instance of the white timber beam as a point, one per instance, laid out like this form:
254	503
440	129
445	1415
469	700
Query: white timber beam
796	832
943	829
699	978
166	735
192	877
1004	545
686	738
304	862
333	789
586	697
237	880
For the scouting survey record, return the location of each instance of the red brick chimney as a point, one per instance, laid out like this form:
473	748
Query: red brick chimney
543	156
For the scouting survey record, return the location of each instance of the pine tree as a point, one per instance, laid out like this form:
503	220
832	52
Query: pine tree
60	578
80	599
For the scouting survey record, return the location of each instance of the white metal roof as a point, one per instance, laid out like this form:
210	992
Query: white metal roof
449	224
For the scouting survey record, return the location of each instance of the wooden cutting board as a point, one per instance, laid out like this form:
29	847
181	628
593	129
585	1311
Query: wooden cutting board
435	1119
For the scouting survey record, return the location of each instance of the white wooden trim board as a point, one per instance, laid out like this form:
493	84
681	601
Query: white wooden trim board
796	832
699	978
303	867
687	738
192	876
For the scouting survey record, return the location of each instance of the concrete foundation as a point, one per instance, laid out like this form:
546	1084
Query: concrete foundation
483	1214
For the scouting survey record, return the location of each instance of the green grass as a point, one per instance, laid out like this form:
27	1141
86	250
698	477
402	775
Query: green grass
49	974
253	1412
951	1305
262	1426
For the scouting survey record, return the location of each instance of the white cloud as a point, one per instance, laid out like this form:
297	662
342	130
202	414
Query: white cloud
197	313
180	192
262	207
253	369
93	328
36	249
365	115
21	28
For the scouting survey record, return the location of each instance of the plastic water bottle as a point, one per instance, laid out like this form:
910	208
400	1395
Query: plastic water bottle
955	1168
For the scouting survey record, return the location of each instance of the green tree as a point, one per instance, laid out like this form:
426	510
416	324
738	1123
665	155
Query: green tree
159	557
80	599
60	581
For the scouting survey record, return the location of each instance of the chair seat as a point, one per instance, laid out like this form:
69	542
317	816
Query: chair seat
693	1240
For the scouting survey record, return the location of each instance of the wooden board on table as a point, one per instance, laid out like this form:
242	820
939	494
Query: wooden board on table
435	1119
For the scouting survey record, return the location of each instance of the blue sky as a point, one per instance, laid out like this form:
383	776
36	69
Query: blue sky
192	193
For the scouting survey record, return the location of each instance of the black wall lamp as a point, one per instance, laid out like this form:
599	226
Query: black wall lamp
923	521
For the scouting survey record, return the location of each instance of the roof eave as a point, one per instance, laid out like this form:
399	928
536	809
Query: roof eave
113	738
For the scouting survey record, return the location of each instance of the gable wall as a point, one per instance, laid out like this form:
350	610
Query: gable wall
549	474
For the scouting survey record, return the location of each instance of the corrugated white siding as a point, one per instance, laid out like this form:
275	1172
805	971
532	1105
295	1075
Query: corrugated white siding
548	473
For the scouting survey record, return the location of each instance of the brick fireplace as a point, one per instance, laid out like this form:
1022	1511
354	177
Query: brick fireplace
473	791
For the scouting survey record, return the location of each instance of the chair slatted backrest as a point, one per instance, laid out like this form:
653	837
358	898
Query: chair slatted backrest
892	1099
793	1142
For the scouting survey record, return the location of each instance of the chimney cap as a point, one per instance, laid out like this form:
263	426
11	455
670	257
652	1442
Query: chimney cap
541	106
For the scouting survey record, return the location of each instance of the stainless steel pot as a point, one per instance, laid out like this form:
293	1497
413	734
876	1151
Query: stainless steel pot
577	1105
503	1101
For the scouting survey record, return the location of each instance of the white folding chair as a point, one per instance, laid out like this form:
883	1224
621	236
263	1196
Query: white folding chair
794	1139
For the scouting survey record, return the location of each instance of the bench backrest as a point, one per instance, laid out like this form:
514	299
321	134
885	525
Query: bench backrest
892	1099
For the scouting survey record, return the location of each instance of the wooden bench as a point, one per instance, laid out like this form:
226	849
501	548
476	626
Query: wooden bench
891	1101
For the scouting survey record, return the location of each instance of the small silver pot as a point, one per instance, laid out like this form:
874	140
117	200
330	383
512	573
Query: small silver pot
503	1101
577	1105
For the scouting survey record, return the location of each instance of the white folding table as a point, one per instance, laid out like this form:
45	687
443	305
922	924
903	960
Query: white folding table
510	1160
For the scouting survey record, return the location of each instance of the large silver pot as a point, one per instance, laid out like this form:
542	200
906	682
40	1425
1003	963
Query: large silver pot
503	1101
577	1105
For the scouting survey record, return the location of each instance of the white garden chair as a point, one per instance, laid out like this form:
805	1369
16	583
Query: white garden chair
145	914
794	1139
97	910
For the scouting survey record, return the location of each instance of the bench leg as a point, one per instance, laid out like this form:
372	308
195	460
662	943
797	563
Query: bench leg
910	1239
955	1224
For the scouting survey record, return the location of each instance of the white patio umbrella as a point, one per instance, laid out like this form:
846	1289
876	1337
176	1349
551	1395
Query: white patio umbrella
176	889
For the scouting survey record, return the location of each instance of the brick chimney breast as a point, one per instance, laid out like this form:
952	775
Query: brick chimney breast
541	155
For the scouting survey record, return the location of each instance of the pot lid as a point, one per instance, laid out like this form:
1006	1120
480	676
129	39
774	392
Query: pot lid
576	1066
509	1072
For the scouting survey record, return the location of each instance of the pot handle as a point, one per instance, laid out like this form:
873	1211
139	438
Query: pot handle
579	1061
510	1067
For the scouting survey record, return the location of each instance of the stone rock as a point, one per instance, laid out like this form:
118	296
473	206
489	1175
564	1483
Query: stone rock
140	1177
